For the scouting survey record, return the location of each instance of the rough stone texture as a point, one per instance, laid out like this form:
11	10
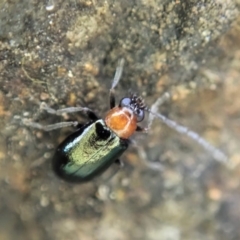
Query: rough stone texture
65	53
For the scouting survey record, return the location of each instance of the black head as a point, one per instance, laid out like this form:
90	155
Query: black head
136	104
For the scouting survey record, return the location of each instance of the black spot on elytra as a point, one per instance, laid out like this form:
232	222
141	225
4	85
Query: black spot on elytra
102	133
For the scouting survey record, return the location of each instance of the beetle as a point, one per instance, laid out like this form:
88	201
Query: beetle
91	149
94	146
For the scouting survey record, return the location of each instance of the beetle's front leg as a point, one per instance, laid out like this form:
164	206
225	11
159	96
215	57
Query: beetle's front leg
166	96
118	164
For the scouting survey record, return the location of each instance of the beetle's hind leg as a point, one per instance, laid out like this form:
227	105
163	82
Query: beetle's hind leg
118	164
86	110
50	127
50	110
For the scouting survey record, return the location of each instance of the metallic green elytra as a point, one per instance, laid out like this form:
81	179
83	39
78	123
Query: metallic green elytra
88	152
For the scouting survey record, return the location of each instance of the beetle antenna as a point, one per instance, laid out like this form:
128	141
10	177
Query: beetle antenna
118	73
216	153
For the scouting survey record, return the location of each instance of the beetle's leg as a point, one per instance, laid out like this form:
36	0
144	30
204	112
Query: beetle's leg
86	110
155	106
119	162
112	100
141	129
157	166
50	127
112	171
115	81
144	158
